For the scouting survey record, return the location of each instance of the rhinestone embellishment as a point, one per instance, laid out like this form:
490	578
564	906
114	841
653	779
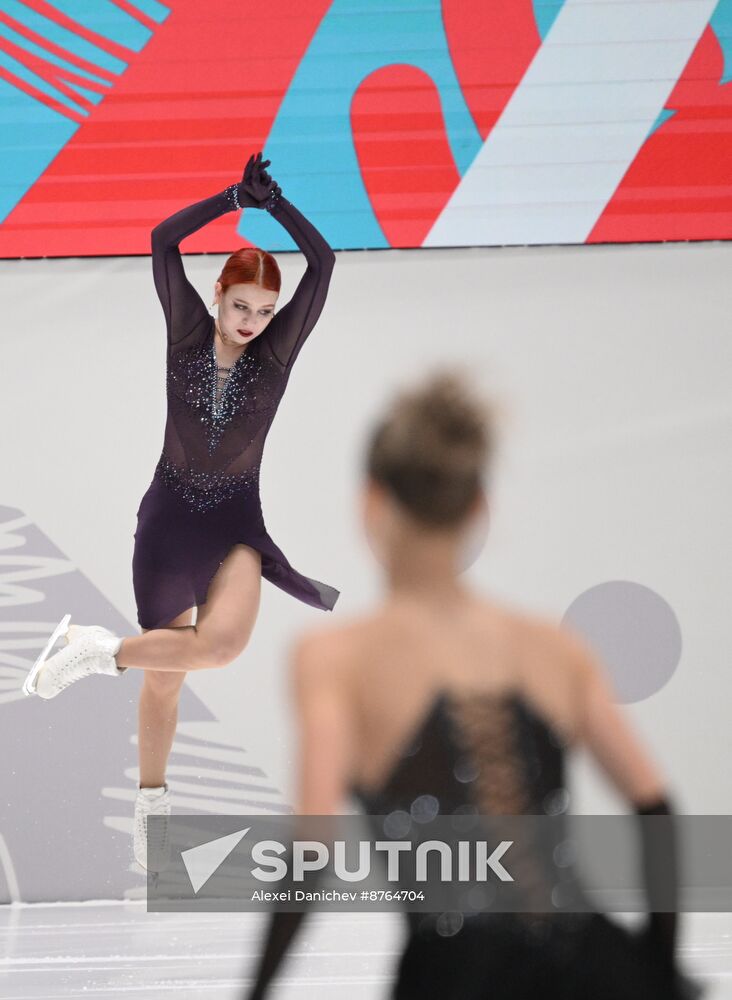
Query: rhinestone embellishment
273	198
195	377
202	489
229	408
232	194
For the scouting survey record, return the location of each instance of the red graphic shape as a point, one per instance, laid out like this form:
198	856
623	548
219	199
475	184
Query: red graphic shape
179	125
57	76
678	186
52	13
396	115
492	43
403	154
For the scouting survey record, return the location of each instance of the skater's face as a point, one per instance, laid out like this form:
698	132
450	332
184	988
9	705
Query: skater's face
245	310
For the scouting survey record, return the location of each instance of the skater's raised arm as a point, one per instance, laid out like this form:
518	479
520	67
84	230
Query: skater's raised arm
292	324
183	307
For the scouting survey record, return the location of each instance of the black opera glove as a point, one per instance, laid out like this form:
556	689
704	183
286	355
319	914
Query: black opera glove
660	868
275	191
256	188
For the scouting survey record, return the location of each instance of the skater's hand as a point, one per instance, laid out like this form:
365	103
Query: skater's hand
256	185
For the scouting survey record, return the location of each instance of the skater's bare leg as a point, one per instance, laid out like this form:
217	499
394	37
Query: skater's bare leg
157	715
222	629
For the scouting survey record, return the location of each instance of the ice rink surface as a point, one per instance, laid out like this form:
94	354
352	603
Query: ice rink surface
113	949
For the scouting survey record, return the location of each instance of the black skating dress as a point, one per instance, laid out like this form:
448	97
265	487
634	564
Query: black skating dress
204	495
493	754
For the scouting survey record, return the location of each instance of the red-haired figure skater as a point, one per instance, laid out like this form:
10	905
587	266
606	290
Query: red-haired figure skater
201	543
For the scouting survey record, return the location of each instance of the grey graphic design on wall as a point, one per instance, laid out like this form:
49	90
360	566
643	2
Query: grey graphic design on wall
70	769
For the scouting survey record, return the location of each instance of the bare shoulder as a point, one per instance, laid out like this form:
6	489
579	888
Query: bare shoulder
520	627
567	648
328	653
548	644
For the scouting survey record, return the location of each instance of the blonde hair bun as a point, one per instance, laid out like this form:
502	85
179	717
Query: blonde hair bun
432	446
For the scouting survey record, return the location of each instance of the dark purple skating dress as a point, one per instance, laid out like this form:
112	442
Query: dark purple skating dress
204	495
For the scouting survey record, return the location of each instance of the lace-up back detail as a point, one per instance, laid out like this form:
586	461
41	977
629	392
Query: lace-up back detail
492	749
518	755
489	753
484	728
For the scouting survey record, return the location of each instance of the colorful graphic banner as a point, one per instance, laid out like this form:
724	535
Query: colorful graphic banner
471	122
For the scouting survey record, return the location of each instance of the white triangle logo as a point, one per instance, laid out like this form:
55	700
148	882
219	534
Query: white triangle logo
203	861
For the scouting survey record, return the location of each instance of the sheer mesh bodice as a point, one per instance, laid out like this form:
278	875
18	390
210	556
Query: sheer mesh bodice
218	421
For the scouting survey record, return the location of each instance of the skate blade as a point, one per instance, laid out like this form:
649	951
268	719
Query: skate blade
29	685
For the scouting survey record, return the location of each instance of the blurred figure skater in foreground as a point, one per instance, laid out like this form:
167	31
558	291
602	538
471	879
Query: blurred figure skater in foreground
443	668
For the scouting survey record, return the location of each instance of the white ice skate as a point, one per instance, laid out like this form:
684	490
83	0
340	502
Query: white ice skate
90	649
152	848
29	685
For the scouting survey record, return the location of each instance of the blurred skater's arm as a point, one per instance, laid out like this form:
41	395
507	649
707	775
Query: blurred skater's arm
615	745
604	728
281	929
324	755
325	725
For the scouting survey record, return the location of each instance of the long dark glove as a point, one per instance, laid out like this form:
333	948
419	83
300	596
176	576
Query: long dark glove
659	853
281	929
659	859
256	188
297	318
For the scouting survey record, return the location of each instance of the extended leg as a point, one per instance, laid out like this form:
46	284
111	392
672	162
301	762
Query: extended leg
221	632
223	627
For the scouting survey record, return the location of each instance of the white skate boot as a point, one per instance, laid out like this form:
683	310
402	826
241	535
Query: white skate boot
152	848
29	684
90	649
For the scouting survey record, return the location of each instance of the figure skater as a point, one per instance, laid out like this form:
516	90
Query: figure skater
201	543
471	702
